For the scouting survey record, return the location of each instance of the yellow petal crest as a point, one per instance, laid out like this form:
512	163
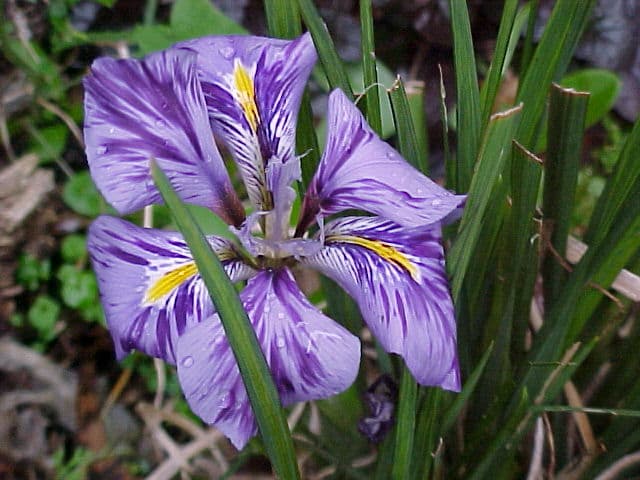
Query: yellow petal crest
169	281
245	94
382	249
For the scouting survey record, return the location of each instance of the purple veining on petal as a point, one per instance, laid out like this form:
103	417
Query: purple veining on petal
136	110
360	171
128	259
411	313
309	355
279	70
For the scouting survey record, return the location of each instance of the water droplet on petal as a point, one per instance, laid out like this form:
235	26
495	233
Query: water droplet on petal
280	343
389	154
281	316
112	130
225	401
227	52
101	150
436	202
187	362
161	123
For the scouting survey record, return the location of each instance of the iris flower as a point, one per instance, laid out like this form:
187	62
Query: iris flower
245	92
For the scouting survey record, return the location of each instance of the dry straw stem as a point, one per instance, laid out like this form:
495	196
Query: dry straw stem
626	283
618	467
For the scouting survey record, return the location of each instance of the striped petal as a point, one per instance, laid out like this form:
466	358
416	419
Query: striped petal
252	87
397	277
150	287
309	355
360	171
136	110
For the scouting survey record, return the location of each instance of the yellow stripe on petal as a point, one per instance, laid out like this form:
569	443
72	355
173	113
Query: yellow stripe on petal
383	250
245	94
169	281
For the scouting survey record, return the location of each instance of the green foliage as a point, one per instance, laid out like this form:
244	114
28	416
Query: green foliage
49	142
81	195
76	467
78	287
189	19
512	372
43	316
31	271
73	248
603	87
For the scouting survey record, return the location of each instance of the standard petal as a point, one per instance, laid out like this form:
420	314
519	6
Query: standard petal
309	355
252	87
150	287
360	171
397	276
136	110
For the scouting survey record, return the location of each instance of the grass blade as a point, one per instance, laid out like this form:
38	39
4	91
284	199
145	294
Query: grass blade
333	66
463	397
256	375
427	432
415	97
405	426
626	173
407	138
491	163
468	95
369	71
567	114
283	18
496	69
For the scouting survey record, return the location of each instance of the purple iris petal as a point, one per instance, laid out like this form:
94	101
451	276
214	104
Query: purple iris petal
267	247
397	276
309	355
136	110
150	289
252	87
360	171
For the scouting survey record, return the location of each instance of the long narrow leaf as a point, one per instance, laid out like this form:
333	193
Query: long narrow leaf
468	95
283	18
491	162
369	71
427	432
240	334
333	66
492	82
405	426
567	113
407	139
469	386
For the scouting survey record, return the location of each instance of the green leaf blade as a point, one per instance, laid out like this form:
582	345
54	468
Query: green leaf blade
256	375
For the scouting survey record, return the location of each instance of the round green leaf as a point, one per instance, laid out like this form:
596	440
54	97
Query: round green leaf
603	85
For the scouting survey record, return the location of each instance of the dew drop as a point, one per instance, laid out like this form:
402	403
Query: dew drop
280	343
225	401
187	362
266	309
161	123
101	150
112	130
389	154
227	52
436	202
281	316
